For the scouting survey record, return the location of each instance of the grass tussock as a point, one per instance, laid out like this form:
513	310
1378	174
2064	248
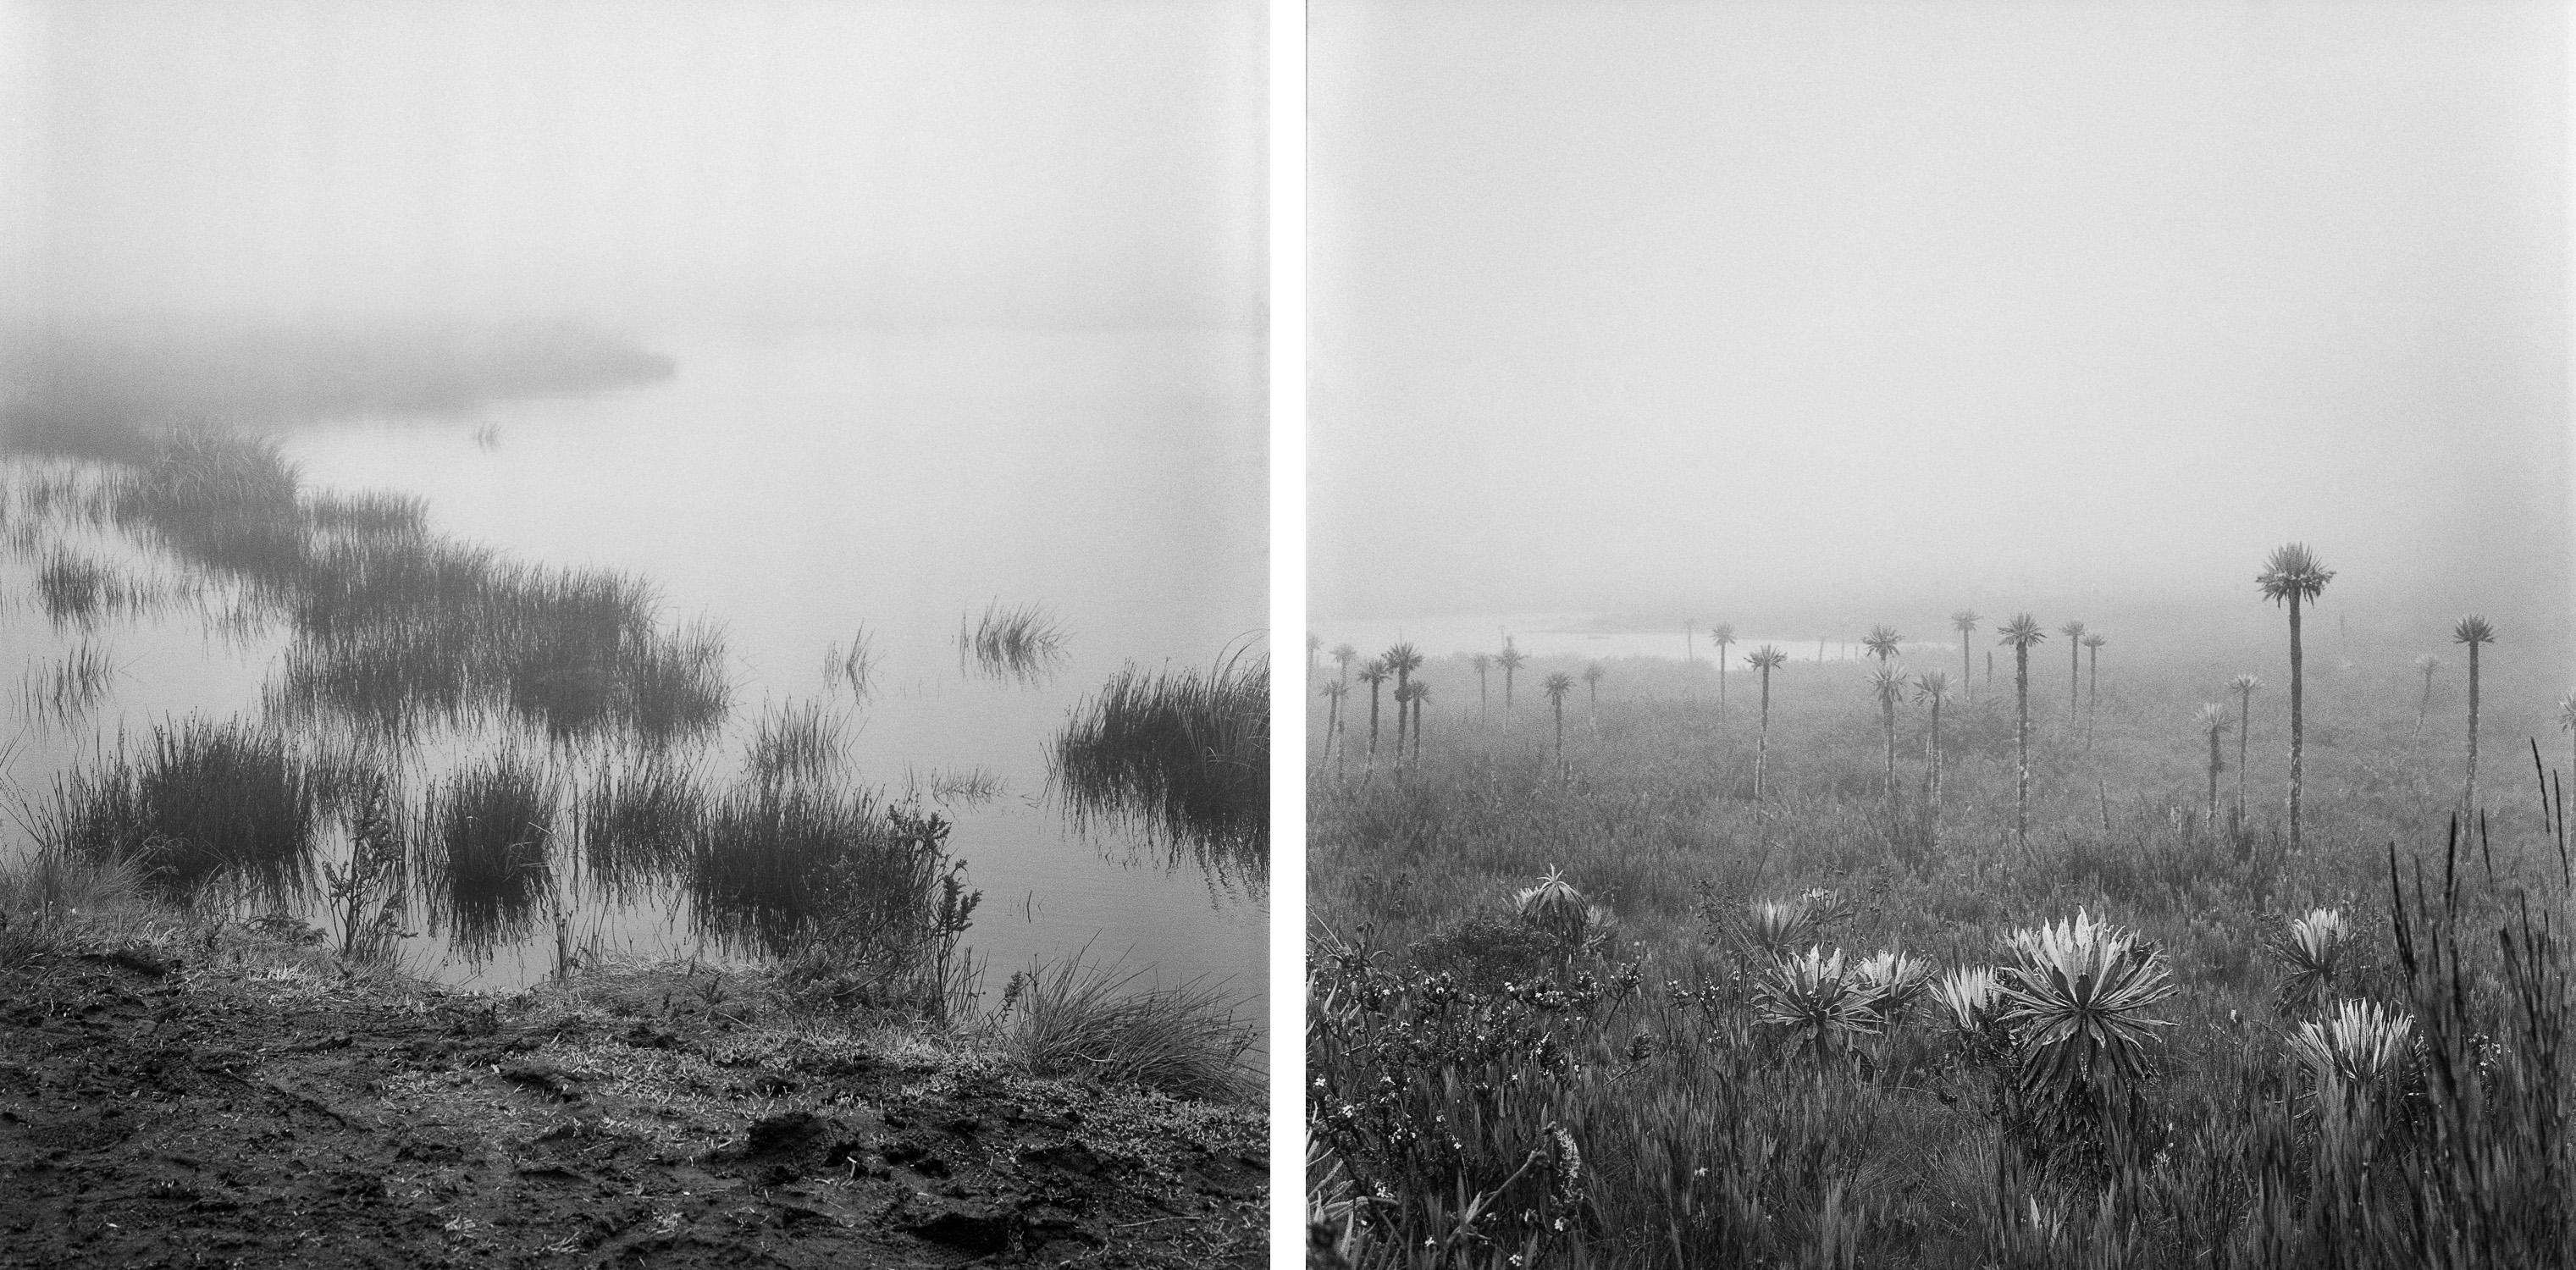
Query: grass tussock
1020	643
638	817
486	840
1185	754
1113	1023
794	744
204	803
863	900
66	689
52	902
853	666
395	627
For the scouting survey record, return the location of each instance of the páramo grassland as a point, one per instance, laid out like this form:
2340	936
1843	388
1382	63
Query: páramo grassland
1890	960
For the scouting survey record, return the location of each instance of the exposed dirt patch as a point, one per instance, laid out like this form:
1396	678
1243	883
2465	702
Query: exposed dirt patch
156	1115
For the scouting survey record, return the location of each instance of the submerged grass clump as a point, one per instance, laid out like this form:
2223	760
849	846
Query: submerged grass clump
795	743
852	665
73	588
1022	643
485	841
1185	754
64	690
638	817
810	870
1107	1022
206	802
395	626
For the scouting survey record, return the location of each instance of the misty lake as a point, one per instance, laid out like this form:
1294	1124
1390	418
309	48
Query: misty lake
801	496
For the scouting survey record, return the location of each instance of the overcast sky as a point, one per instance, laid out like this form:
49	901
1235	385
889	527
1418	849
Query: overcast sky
1654	305
1084	163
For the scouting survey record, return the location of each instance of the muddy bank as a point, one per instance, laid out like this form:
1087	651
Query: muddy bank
185	1106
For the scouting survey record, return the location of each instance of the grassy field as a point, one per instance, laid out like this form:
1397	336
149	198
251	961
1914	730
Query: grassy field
1577	1002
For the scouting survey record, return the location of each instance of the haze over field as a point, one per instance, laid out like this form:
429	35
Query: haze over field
654	162
1844	312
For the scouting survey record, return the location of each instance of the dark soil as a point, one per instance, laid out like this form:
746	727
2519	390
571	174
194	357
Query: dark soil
154	1114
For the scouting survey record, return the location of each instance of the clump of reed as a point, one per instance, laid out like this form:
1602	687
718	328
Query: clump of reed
638	817
369	514
205	801
485	846
862	895
1023	643
852	665
224	501
395	625
63	690
1110	1022
1184	754
795	744
49	899
675	684
75	589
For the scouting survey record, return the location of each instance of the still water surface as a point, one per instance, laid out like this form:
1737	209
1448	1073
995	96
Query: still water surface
799	488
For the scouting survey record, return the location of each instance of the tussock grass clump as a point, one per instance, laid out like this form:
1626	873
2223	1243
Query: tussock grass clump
63	690
1111	1023
795	743
1185	754
205	801
1023	643
50	900
485	845
779	868
675	683
223	501
852	665
75	589
638	817
370	514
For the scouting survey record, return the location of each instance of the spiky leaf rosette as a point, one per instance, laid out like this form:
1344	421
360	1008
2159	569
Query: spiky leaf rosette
2359	1049
1558	684
1895	981
1773	927
1814	1000
2077	1000
1970	997
2310	950
2473	630
2244	683
2293	570
1766	658
1882	641
1932	686
1887	684
1553	895
2021	632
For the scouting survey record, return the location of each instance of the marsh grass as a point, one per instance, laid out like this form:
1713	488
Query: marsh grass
799	743
204	802
396	626
852	665
1115	1023
1020	643
51	902
1184	755
638	817
962	787
860	903
485	845
63	691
